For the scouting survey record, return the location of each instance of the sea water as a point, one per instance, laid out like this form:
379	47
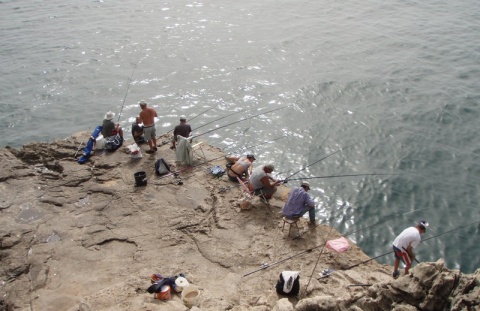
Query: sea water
373	87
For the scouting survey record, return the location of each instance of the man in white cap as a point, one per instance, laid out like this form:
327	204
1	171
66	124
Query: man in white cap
183	129
404	244
262	183
299	202
109	128
147	117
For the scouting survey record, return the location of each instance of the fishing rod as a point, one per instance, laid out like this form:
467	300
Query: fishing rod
432	237
265	266
238	121
320	160
128	87
193	118
241	110
81	143
262	143
318	259
332	176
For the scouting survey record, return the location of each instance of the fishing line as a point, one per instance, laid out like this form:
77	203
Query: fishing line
318	259
128	87
265	266
332	176
189	120
259	144
239	121
241	110
320	160
81	143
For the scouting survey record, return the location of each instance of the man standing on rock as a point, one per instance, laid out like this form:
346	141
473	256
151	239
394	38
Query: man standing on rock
299	202
404	244
147	117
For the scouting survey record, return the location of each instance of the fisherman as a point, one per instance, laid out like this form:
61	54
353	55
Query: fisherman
299	202
262	183
404	244
137	131
241	167
109	128
147	117
183	129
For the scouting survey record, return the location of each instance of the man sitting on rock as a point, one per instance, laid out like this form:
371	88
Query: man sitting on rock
299	202
262	183
241	167
109	128
137	131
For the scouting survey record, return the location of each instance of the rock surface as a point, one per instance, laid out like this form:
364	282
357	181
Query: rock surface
83	237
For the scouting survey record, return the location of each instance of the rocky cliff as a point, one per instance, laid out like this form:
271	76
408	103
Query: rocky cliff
84	237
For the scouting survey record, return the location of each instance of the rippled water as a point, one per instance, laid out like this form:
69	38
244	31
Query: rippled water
396	83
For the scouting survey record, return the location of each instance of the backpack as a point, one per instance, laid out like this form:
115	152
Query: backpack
161	167
112	143
288	283
217	171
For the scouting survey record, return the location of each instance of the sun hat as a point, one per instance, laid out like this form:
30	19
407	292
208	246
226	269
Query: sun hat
270	166
305	184
250	156
423	224
183	117
109	115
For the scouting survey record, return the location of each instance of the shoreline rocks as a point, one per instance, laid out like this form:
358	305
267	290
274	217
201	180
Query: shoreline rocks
83	237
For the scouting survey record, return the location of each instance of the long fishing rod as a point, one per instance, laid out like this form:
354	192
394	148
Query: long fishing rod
239	121
262	143
195	117
81	143
432	237
128	87
332	176
320	160
265	266
241	110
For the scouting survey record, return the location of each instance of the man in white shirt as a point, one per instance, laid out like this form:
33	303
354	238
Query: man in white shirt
404	244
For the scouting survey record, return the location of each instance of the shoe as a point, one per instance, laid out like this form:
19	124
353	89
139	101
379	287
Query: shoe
155	148
396	274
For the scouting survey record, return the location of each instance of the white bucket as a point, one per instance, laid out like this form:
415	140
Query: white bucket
180	284
191	296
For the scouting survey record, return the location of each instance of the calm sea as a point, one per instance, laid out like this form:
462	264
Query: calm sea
395	84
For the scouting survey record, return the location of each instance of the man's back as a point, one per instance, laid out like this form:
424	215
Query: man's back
148	116
183	130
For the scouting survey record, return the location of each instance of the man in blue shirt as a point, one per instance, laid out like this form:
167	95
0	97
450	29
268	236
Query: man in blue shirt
299	202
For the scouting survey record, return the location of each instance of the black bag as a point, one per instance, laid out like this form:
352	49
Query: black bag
161	167
289	283
112	143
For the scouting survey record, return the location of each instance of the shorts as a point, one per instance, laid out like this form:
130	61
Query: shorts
403	256
266	191
149	132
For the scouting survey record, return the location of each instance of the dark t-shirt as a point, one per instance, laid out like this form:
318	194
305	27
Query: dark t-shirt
182	130
107	128
136	128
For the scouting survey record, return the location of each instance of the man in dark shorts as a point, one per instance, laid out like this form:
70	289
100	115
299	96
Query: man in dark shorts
183	129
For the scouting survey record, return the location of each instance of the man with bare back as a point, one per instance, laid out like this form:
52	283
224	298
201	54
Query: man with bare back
147	117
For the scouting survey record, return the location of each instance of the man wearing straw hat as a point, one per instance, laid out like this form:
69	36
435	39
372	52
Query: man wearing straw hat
404	244
299	202
109	128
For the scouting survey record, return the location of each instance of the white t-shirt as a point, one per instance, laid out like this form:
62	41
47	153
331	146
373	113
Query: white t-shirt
409	236
257	174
